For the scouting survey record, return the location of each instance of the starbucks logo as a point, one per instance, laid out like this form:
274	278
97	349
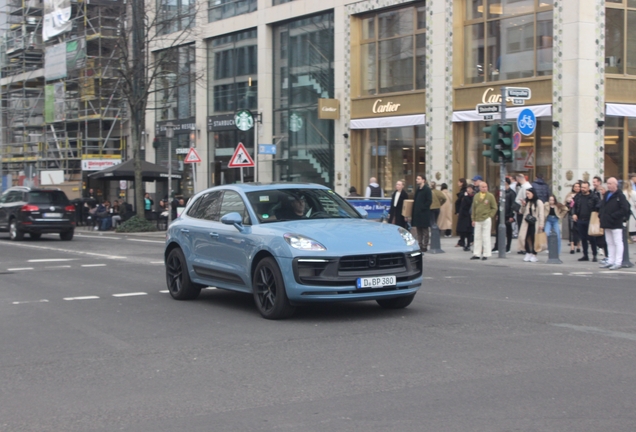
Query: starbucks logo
295	123
244	120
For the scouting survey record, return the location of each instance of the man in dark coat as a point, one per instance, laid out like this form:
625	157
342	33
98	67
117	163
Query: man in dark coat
542	188
614	211
421	219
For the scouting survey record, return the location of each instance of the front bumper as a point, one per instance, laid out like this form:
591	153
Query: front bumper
332	283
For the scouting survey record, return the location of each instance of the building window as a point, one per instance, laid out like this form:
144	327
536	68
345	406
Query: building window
512	40
304	73
278	2
232	60
619	147
175	15
393	50
222	9
176	83
620	37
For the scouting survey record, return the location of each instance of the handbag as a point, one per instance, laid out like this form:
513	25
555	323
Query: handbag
531	219
594	229
540	241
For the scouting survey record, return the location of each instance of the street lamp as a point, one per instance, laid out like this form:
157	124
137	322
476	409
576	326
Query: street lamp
169	135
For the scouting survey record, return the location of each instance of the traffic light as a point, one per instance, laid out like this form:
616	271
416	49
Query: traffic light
491	142
505	142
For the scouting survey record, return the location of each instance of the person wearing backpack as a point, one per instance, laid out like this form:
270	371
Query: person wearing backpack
613	213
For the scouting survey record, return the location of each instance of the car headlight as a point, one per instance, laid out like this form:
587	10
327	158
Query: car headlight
407	236
303	243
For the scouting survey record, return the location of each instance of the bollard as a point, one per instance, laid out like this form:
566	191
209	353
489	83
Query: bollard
553	248
436	247
626	262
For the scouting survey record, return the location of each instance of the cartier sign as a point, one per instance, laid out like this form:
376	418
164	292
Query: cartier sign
394	105
328	109
467	97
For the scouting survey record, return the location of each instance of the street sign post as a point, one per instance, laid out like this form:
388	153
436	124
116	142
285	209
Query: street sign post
516	93
267	149
488	109
526	122
192	156
241	159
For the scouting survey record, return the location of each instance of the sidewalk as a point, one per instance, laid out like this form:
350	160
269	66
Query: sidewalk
570	262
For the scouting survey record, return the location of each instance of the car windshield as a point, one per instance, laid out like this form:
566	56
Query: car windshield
48	197
293	204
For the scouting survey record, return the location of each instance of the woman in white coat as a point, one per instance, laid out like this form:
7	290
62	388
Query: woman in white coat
630	194
531	208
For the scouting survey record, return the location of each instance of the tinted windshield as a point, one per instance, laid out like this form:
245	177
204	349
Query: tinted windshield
48	197
293	204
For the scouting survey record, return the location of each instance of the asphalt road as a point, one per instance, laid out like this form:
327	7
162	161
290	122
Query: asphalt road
91	343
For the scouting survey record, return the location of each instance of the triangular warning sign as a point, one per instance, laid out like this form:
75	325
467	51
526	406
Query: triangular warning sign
241	158
192	156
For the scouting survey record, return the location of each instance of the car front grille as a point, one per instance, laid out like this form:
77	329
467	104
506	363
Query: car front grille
371	262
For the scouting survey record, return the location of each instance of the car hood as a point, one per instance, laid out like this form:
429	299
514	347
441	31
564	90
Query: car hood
351	236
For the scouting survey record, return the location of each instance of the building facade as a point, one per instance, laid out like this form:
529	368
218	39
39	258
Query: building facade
349	90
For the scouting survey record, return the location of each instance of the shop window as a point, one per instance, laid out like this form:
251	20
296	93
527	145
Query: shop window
393	50
518	44
619	149
620	37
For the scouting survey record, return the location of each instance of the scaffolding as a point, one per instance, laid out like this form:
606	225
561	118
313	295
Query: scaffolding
62	101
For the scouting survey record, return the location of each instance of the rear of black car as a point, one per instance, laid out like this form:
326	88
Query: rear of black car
46	211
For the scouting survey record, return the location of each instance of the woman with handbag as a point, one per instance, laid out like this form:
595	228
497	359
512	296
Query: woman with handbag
397	202
555	212
533	212
575	240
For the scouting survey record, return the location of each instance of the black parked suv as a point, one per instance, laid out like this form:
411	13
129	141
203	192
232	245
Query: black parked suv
36	211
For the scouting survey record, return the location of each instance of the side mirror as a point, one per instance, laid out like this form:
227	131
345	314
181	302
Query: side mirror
233	219
362	212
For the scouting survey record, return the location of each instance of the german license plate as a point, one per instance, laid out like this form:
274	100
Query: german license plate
52	215
376	282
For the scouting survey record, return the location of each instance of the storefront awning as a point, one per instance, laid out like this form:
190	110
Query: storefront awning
388	122
511	113
620	110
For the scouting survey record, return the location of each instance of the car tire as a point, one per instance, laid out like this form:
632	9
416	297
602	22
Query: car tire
14	232
35	236
180	286
67	235
269	291
397	302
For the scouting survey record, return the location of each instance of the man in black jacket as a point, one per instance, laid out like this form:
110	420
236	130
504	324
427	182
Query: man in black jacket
584	204
421	218
614	211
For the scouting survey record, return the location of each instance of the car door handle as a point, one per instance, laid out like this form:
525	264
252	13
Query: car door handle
214	235
185	231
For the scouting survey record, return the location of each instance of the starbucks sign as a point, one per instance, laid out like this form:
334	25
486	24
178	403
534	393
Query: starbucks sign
244	120
295	123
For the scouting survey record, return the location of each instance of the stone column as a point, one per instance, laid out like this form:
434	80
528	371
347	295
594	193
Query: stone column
265	95
578	88
439	91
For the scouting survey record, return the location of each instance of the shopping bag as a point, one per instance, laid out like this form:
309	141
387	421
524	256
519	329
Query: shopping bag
407	208
595	229
540	241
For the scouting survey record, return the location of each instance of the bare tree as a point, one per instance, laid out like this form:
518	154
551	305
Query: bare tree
160	26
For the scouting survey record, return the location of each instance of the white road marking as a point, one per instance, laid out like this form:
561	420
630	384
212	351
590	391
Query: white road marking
30	301
156	262
596	330
69	251
93	265
130	294
81	298
211	288
51	260
60	266
617	272
148	241
98	237
557	274
20	269
164	291
581	273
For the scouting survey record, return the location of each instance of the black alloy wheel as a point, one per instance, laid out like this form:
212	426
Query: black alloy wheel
269	291
396	302
177	278
67	235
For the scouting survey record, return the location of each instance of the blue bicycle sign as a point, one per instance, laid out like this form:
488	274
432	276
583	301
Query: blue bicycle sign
526	122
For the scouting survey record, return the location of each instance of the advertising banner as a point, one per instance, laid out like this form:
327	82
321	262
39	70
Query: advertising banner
57	18
55	62
98	164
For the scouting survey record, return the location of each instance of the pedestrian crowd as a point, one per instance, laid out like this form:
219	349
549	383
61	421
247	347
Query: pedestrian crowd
593	214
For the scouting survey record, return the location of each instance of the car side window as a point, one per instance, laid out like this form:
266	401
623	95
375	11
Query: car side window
232	202
208	207
14	196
